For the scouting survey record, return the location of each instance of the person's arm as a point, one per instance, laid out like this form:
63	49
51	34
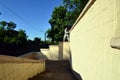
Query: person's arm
66	30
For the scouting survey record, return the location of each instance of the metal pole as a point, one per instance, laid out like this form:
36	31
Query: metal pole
45	37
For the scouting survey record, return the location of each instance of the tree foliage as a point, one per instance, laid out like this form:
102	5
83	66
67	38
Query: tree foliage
15	43
3	24
9	35
64	16
11	26
57	24
7	25
37	40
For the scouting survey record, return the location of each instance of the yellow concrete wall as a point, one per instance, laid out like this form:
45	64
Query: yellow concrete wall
54	50
31	55
92	56
52	53
44	54
117	9
64	51
35	55
12	68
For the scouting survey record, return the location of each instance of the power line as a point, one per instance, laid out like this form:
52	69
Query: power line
10	10
27	23
19	17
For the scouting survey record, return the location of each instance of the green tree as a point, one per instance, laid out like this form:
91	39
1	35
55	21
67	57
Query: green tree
7	25
22	37
63	16
2	35
57	24
9	35
74	8
37	40
11	26
3	24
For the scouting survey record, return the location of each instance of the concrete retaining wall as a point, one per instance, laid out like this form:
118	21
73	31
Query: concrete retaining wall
64	51
51	53
13	68
92	56
57	52
31	55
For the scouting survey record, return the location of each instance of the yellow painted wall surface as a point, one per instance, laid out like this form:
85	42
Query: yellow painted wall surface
64	51
117	33
51	53
31	55
92	56
56	52
12	68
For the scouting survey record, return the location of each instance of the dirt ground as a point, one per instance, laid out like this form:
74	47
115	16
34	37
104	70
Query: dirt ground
56	70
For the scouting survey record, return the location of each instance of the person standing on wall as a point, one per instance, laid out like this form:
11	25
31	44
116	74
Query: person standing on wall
66	34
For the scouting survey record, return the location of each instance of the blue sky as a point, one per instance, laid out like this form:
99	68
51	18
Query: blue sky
30	15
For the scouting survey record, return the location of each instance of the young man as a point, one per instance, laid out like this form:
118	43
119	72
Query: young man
66	34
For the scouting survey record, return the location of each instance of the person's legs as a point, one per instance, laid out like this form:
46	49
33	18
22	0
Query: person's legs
68	37
64	37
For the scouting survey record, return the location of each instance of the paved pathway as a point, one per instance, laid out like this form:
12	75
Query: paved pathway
56	70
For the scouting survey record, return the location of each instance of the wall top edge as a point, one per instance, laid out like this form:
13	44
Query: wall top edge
53	45
64	42
45	49
11	59
86	8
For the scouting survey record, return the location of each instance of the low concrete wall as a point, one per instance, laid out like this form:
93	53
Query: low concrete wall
31	55
45	52
64	51
14	68
57	52
51	53
54	52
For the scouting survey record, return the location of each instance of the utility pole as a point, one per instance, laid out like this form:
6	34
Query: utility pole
44	33
45	37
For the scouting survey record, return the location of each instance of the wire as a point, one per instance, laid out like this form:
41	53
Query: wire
27	23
